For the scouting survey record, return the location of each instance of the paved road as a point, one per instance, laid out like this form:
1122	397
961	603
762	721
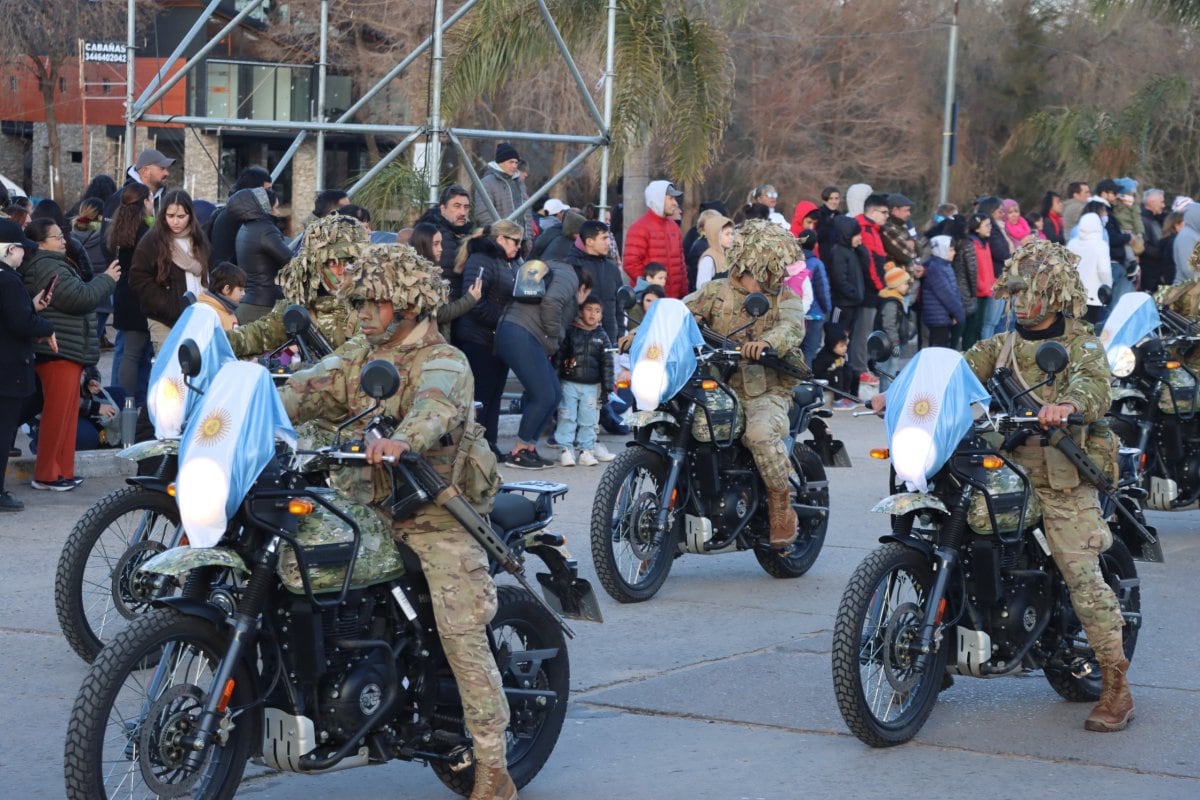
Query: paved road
719	687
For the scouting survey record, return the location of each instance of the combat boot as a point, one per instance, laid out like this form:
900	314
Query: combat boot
1115	708
493	783
782	517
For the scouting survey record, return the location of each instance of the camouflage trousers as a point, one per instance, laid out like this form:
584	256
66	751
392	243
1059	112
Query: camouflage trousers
766	429
464	601
1077	536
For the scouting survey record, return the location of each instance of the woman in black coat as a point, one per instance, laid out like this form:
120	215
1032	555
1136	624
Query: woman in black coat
133	352
20	325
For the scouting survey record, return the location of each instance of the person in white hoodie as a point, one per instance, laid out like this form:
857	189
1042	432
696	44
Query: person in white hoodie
856	196
1095	266
1185	243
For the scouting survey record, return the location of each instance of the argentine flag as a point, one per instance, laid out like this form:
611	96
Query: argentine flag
168	400
929	412
230	439
1133	318
663	353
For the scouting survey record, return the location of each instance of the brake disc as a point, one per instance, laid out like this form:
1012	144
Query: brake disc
132	589
899	658
161	751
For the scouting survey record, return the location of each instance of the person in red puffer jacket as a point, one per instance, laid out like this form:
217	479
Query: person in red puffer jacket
656	237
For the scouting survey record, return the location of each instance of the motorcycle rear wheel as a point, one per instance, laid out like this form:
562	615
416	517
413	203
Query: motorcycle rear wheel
799	558
521	624
631	561
97	588
1116	565
121	740
883	691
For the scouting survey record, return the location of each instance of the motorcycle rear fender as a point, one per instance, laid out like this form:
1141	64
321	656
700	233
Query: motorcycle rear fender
567	593
181	560
149	482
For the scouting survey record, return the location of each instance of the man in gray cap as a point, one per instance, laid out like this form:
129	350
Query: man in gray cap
150	169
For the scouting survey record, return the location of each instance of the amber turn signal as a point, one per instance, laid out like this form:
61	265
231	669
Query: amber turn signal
881	453
708	385
170	490
1172	365
300	506
622	384
992	462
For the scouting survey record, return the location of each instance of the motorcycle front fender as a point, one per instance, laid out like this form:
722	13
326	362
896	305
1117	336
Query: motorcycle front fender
905	502
181	560
193	607
149	482
153	448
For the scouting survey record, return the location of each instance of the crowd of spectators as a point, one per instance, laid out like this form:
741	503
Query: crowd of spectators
533	293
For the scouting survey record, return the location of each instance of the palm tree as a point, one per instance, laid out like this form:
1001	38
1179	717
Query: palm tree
673	71
1185	11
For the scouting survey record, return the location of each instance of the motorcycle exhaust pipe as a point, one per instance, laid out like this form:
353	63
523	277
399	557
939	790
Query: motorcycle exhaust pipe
809	512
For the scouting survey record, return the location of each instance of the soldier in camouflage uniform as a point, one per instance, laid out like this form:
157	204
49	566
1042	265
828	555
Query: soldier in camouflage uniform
760	254
331	245
396	303
1043	284
1183	299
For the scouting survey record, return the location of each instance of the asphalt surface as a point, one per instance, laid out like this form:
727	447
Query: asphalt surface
719	687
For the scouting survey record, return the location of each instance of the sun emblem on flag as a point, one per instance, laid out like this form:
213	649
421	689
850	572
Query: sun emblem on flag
1106	336
214	427
172	389
923	408
654	353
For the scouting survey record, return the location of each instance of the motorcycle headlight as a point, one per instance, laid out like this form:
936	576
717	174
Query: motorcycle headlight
1123	360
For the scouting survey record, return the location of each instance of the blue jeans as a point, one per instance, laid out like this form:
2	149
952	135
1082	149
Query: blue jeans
133	376
578	415
994	320
529	362
814	335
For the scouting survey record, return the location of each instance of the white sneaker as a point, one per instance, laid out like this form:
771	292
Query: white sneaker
567	459
586	459
601	453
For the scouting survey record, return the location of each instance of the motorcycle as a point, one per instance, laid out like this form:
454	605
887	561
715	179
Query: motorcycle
1156	400
686	483
964	583
329	658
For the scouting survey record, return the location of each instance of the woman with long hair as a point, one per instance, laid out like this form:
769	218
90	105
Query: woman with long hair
490	258
979	229
426	239
171	259
132	351
73	302
1052	219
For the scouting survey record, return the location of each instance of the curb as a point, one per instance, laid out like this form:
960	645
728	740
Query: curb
88	464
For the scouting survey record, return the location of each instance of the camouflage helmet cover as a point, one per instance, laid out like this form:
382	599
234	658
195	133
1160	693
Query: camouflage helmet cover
1047	271
335	237
764	250
395	273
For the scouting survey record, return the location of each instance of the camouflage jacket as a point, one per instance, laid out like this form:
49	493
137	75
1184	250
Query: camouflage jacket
331	316
433	405
1084	383
719	305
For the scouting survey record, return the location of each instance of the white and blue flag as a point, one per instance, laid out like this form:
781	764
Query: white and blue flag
1133	318
229	440
663	353
929	412
168	400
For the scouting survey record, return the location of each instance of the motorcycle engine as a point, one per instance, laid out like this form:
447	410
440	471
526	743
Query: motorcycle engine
730	507
1026	603
349	697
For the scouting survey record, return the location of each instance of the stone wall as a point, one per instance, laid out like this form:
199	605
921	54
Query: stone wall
14	150
304	181
199	176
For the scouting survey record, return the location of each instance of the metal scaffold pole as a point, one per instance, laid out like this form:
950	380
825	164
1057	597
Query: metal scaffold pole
321	76
609	77
433	154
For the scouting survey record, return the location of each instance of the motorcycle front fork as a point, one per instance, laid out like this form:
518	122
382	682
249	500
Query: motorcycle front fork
678	457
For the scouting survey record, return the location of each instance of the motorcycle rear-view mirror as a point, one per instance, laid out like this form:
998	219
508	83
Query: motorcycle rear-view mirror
296	320
1051	358
189	358
626	298
1104	293
756	304
879	346
379	379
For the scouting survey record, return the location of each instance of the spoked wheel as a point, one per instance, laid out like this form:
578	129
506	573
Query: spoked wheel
632	559
802	554
130	722
885	689
1120	572
531	654
98	587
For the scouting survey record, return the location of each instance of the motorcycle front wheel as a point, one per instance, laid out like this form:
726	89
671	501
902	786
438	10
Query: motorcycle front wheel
810	537
885	690
1120	573
97	587
520	628
632	559
141	697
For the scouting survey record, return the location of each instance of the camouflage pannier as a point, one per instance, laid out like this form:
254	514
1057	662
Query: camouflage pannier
1178	396
328	541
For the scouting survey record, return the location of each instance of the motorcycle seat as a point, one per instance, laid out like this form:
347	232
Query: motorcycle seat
513	511
806	394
